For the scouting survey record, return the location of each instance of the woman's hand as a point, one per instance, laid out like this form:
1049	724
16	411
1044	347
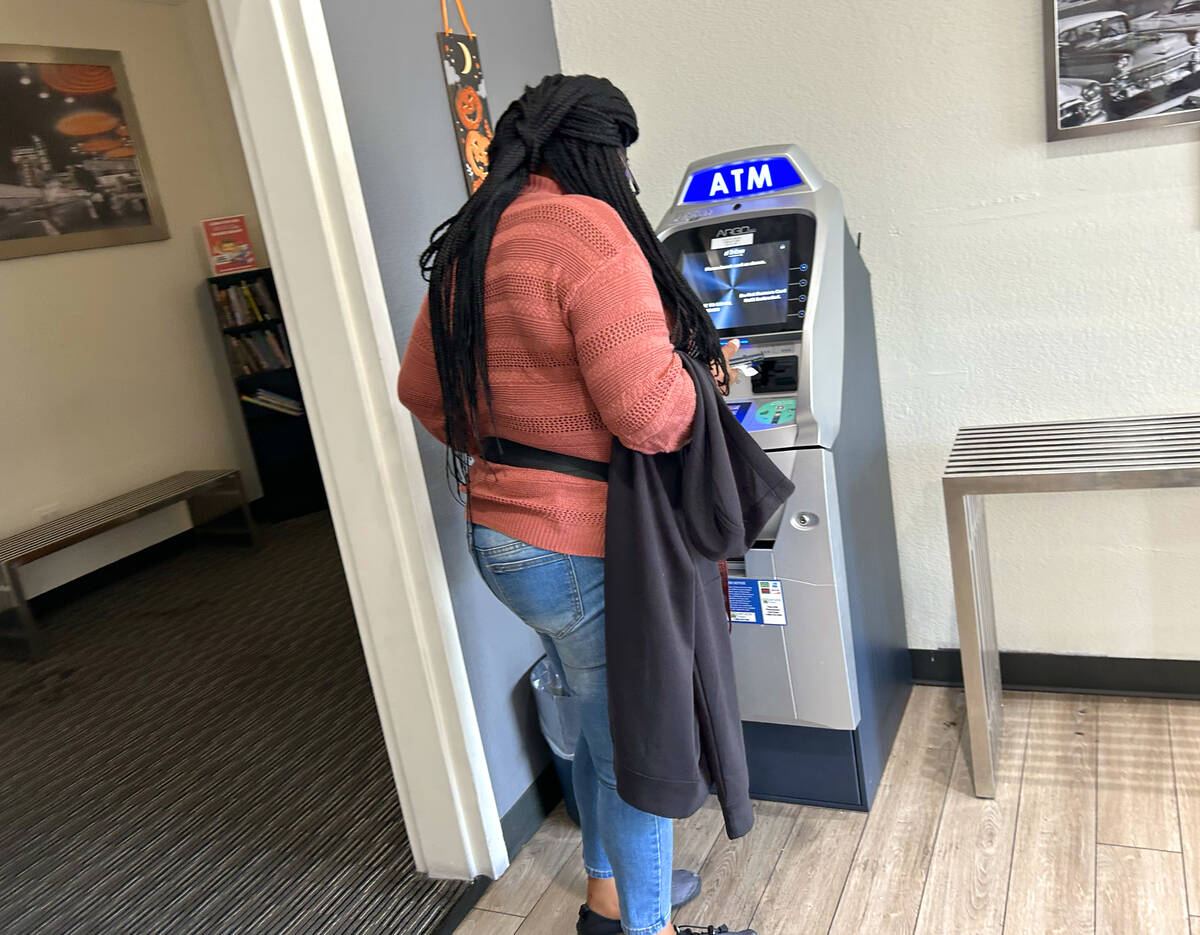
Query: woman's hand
728	350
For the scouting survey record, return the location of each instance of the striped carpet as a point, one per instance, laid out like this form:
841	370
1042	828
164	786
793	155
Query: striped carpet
200	753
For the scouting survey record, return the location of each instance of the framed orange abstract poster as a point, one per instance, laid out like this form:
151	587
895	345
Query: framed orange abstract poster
74	172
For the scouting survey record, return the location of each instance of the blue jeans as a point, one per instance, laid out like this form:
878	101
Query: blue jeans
561	597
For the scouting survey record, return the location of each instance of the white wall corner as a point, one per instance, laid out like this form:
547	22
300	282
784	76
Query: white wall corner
289	110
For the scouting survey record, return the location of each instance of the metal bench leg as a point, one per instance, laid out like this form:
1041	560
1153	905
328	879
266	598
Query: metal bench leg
229	496
10	587
247	516
976	636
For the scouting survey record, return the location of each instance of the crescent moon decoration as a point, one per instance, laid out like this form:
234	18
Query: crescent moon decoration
468	104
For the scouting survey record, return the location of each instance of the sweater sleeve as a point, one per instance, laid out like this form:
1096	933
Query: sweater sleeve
629	365
418	386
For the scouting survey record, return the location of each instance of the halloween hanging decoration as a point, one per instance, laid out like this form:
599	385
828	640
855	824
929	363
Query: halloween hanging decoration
468	98
475	150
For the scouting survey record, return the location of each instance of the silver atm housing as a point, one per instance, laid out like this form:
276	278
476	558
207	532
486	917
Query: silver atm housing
839	670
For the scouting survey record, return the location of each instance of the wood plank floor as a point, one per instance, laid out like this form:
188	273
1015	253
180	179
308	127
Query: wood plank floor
1095	829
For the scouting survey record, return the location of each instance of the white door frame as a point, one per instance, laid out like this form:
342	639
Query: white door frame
289	111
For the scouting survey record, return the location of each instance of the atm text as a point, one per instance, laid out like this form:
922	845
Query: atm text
756	178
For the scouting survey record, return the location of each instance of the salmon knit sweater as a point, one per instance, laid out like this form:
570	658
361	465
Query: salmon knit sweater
578	351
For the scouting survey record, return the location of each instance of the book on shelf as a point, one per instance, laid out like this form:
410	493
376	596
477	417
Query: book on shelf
256	352
287	347
247	305
274	402
221	303
252	305
235	305
266	349
265	302
279	398
244	303
237	357
277	348
265	357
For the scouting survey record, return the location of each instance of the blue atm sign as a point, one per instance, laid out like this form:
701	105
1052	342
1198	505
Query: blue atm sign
739	179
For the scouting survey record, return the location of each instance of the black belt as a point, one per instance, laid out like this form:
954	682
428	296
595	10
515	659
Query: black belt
514	454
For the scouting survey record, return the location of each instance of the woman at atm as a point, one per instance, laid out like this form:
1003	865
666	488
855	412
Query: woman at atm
551	325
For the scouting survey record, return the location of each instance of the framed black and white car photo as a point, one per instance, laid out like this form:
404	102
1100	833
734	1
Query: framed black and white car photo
74	172
1120	64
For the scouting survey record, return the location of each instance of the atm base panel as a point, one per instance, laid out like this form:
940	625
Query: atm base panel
805	765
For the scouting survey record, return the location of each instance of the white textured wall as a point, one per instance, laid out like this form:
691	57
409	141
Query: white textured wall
1014	279
111	370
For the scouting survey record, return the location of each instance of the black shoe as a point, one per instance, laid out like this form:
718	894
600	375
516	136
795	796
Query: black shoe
685	886
592	923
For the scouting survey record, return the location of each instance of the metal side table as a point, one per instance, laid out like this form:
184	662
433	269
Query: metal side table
1040	457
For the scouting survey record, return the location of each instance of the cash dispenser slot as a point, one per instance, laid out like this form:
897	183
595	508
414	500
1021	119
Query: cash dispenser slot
777	375
757	563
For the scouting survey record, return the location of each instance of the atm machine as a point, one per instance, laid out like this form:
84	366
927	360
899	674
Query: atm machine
818	635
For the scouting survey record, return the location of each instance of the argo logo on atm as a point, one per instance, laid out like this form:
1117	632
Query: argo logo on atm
731	231
755	177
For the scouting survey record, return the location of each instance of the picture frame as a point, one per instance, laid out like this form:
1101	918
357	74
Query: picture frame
75	173
1114	65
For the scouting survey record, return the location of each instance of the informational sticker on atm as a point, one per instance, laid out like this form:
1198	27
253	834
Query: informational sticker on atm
758	601
736	237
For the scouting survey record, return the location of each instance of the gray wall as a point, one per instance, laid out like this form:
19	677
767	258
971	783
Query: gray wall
395	97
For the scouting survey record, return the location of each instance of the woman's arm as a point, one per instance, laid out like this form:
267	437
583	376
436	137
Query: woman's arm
629	365
418	386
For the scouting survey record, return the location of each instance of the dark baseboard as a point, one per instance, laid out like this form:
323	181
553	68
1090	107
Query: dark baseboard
1099	675
529	811
462	906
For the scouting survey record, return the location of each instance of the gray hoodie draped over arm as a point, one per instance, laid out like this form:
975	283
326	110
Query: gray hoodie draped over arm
671	518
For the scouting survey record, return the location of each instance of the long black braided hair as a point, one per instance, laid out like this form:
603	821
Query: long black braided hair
577	127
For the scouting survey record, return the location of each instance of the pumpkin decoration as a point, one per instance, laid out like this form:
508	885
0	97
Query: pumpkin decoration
475	150
468	107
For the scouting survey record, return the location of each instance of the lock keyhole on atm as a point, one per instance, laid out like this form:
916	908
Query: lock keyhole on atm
777	375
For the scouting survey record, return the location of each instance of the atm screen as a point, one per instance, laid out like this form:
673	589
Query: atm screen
741	286
753	276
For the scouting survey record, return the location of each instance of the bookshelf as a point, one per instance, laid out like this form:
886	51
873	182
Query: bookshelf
254	334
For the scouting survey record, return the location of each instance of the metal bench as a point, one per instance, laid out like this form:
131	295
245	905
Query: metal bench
1044	457
208	494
